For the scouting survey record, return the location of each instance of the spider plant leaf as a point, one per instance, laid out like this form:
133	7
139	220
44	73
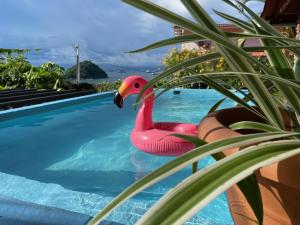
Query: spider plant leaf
196	37
250	189
216	86
172	84
264	25
232	57
238	22
195	28
253	126
234	60
292	83
289	84
195	192
224	91
171	41
277	59
182	162
281	65
198	142
178	67
193	139
280	40
217	105
259	21
262	48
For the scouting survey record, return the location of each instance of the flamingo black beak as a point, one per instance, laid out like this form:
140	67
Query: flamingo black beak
118	100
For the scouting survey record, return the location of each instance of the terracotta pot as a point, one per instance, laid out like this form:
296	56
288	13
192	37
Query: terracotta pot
279	183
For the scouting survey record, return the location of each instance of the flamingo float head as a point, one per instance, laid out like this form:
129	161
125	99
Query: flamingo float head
130	85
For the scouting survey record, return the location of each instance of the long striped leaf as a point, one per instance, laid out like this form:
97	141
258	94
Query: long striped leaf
227	93
277	59
183	161
171	41
238	22
178	67
213	84
262	48
253	126
216	105
252	32
190	25
193	139
263	25
182	202
236	62
197	37
295	85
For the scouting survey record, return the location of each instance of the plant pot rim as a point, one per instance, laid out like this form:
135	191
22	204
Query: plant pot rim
214	127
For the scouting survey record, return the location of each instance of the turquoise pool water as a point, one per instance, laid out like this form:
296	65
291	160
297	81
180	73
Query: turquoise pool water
80	157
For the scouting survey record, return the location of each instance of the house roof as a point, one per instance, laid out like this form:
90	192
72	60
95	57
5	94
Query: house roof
281	11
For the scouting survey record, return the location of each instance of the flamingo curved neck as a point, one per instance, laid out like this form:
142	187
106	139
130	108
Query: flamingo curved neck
143	120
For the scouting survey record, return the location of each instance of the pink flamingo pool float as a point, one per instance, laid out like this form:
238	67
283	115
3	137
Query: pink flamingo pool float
154	138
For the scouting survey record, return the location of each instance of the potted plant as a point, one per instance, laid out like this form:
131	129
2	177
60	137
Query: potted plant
268	118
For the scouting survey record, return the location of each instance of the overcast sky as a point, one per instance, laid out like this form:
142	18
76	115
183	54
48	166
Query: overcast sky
105	29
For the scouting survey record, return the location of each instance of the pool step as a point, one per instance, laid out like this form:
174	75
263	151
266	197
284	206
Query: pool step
16	212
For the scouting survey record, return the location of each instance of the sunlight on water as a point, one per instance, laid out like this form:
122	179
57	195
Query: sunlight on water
80	157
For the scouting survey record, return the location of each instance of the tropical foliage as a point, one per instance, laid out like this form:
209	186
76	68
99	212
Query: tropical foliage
17	72
277	143
177	56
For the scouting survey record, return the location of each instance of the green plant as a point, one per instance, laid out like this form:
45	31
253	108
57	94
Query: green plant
48	75
17	72
176	57
277	143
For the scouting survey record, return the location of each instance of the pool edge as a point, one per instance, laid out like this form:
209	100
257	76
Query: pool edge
48	106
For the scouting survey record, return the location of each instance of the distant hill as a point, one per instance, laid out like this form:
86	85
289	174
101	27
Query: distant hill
88	70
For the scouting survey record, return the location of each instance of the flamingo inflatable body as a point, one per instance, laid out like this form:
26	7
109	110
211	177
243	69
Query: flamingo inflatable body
153	138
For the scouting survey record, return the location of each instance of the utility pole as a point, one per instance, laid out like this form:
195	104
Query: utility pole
77	65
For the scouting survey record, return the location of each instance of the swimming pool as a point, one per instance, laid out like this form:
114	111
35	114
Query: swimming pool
79	157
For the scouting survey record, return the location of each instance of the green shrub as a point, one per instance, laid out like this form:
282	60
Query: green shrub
44	77
176	57
17	72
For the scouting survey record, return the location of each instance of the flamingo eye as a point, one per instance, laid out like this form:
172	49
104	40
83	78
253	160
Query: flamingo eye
136	85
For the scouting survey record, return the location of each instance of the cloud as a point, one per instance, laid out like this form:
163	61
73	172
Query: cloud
109	27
